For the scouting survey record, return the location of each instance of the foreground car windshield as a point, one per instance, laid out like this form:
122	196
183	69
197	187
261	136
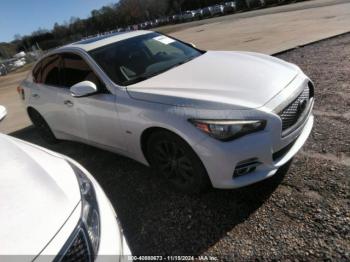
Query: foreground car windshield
139	58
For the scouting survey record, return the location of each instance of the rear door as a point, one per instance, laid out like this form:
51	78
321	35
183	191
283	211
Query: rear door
97	113
45	88
66	117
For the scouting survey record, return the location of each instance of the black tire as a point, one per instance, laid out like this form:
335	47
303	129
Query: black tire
172	158
42	127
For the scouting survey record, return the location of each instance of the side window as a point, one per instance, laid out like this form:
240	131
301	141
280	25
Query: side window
75	69
50	71
37	73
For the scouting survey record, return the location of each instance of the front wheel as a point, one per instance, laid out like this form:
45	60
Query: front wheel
174	159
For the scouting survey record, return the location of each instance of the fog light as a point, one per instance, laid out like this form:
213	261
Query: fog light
245	167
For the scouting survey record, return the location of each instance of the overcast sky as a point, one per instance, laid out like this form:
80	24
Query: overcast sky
25	16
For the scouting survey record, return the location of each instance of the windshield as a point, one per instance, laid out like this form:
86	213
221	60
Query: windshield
136	59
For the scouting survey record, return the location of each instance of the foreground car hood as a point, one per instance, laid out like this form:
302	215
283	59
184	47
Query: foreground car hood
241	79
38	192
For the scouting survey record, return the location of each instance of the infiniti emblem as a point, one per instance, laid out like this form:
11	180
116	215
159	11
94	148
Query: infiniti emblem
301	106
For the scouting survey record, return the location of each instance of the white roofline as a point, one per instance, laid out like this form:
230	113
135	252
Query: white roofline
106	41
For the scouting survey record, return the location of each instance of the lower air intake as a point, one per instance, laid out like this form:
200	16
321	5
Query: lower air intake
245	167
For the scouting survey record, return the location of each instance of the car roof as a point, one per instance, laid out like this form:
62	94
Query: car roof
102	40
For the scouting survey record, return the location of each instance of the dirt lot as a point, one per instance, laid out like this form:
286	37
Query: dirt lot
303	214
16	115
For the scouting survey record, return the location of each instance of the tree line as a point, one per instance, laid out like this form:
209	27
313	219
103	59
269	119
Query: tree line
117	15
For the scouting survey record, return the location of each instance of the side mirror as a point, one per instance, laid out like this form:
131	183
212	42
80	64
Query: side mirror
84	88
3	112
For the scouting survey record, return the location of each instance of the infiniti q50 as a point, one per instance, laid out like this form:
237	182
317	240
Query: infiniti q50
199	118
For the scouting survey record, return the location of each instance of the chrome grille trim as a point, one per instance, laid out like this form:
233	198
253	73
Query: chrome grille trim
294	114
78	250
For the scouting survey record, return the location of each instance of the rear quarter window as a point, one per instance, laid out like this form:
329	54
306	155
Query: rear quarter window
50	71
36	73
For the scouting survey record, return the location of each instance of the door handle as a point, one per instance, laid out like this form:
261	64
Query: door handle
68	103
35	95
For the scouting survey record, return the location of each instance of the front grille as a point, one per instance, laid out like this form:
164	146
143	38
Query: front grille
291	114
78	251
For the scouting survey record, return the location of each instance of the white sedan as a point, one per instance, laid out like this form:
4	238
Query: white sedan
3	112
51	207
199	118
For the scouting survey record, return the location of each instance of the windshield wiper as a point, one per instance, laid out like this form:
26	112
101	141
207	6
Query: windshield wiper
135	80
144	77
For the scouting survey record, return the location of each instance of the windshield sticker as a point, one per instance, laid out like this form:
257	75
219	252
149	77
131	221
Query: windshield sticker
164	39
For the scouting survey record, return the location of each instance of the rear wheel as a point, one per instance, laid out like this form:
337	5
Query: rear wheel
174	159
42	126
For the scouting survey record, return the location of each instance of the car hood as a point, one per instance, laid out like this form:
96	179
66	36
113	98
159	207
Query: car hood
38	192
238	79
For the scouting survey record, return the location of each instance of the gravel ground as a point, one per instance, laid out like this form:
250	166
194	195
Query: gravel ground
302	214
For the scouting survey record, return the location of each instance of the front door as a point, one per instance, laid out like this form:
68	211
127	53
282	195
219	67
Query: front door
97	113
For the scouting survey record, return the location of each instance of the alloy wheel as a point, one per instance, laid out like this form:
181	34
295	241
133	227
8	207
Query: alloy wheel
174	163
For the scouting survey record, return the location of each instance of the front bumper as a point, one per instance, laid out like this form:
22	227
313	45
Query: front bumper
221	158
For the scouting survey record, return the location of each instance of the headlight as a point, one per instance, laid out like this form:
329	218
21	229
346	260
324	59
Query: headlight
85	240
90	214
226	130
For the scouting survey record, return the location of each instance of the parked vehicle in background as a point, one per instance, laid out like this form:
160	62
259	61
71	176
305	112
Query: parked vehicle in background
129	28
144	25
3	70
198	14
19	55
188	16
241	5
210	11
17	63
52	206
205	12
217	10
266	3
228	119
164	20
176	18
153	23
230	7
254	4
282	2
161	21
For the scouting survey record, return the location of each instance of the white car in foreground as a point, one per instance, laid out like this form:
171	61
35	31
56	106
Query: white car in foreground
3	112
51	208
228	119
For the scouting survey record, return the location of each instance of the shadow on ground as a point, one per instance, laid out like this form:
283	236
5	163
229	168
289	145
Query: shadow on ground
155	219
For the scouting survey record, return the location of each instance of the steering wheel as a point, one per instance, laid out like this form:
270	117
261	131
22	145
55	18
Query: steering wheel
161	55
